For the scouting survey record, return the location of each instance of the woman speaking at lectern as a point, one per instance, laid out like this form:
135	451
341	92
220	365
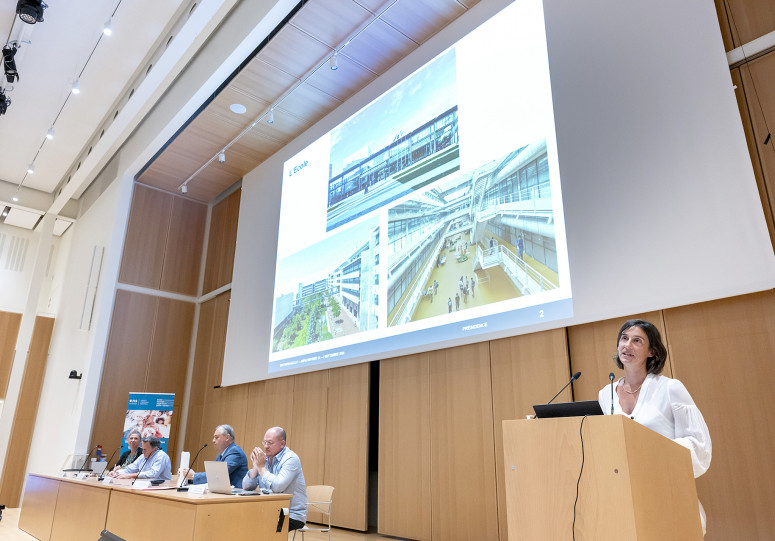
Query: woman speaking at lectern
655	401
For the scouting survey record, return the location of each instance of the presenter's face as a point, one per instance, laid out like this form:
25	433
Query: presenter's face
133	441
273	444
634	348
220	441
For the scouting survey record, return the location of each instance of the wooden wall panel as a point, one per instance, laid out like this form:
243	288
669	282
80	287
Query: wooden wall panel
308	439
592	347
125	366
742	21
723	352
146	237
404	477
197	392
183	254
270	403
9	333
225	405
346	439
526	370
14	469
222	242
756	102
168	363
463	499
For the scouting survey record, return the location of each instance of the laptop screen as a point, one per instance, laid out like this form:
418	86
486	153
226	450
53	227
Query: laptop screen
568	409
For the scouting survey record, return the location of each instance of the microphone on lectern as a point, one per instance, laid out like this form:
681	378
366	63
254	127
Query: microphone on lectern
573	378
611	377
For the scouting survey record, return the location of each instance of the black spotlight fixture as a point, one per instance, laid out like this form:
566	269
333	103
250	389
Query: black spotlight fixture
4	103
30	11
9	64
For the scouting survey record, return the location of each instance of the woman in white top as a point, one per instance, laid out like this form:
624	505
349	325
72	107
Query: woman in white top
655	401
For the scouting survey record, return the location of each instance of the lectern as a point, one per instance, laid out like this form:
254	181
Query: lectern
635	484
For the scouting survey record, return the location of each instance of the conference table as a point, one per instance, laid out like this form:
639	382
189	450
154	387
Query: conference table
63	508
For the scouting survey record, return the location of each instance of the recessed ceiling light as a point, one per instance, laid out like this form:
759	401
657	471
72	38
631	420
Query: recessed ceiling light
238	108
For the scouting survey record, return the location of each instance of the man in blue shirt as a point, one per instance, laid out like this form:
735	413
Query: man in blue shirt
229	452
154	464
277	468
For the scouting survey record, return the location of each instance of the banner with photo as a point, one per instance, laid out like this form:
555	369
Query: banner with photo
151	414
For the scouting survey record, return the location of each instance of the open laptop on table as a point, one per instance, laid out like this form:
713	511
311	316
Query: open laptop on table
218	480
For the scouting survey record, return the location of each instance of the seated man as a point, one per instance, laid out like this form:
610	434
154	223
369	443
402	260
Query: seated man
278	469
229	452
154	464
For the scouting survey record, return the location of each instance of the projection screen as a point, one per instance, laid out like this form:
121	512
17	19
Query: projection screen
531	166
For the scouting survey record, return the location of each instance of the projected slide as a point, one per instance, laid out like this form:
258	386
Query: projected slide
432	215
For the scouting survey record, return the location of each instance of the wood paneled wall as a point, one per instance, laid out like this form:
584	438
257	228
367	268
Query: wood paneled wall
222	242
723	351
164	239
742	21
147	352
14	469
10	322
325	415
756	100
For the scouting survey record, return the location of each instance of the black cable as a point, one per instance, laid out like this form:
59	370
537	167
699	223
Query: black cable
580	472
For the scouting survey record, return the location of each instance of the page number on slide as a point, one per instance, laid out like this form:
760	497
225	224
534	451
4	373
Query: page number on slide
540	314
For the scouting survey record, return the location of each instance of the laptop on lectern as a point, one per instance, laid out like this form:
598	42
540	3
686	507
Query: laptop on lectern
568	409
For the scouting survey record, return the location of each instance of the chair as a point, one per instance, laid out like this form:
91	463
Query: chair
318	510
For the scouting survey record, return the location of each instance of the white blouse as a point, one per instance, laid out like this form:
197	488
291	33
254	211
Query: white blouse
665	406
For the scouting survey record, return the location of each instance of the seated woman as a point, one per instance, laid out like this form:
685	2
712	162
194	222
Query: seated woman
655	401
134	452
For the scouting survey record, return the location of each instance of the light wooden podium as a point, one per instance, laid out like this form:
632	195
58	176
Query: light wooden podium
635	483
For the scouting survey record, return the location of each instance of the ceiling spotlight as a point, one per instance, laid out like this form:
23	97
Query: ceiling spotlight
50	133
221	157
30	11
270	120
15	199
9	64
184	189
333	62
108	28
4	103
76	86
31	168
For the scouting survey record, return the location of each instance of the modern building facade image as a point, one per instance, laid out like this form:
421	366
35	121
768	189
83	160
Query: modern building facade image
161	308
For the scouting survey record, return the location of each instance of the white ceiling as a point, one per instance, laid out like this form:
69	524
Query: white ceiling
60	49
381	33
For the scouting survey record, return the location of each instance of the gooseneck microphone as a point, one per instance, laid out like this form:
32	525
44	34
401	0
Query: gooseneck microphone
573	378
86	461
611	377
143	467
107	465
182	488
